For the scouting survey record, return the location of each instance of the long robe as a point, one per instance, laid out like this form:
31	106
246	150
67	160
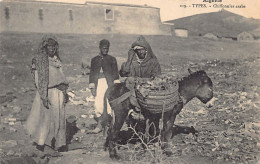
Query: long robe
44	124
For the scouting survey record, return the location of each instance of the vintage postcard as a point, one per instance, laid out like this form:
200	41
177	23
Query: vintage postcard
129	81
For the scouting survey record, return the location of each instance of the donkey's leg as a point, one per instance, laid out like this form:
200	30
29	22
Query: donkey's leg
120	112
168	121
167	131
180	129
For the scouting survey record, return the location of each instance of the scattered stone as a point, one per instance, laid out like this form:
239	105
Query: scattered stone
214	149
80	102
84	116
236	150
71	94
256	125
201	111
243	94
211	102
10	152
91	98
12	119
229	121
82	130
11	123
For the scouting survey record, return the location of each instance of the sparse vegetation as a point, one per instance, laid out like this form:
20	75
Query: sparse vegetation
228	132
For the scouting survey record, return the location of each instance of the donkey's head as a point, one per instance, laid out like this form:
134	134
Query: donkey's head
197	84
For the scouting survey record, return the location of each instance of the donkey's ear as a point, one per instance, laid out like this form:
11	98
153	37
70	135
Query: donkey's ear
190	72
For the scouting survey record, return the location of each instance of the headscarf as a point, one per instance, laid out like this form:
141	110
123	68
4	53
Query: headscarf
42	64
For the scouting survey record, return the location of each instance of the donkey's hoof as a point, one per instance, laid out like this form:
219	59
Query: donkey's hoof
168	152
193	131
115	157
106	146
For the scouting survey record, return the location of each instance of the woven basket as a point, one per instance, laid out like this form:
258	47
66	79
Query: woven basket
158	101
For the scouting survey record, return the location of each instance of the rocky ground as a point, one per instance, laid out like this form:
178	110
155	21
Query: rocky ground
228	132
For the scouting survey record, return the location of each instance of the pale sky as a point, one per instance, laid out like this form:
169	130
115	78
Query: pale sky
170	9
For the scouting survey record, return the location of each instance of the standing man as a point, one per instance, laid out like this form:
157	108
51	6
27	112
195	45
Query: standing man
103	74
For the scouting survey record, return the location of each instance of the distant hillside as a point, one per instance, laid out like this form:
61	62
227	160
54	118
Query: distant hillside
222	23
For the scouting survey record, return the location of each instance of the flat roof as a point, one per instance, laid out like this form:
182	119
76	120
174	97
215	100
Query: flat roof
86	3
120	4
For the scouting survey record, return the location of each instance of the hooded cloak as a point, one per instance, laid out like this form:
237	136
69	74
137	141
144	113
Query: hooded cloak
146	68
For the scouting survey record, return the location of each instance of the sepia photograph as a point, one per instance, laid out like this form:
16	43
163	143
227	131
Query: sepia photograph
129	81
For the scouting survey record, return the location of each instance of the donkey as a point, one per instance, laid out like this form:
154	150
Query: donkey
197	84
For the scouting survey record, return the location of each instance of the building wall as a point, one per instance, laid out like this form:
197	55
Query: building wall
181	33
89	18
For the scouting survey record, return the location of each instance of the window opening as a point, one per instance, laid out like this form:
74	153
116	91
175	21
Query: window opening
40	14
109	14
7	13
71	15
